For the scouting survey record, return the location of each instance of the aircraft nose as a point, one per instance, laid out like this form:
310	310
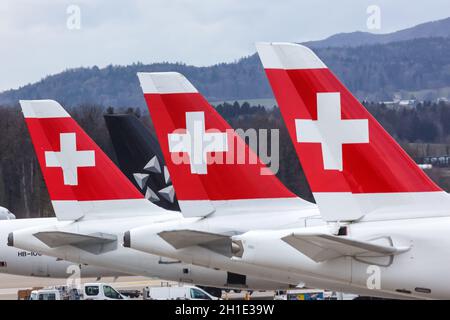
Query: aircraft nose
10	239
127	239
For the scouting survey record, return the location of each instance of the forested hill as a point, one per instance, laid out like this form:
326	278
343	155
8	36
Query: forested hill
419	67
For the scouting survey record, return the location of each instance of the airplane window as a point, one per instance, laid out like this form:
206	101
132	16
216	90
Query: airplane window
197	294
91	290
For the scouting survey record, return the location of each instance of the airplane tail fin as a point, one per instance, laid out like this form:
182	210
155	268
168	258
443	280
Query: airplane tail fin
354	167
141	160
209	163
81	180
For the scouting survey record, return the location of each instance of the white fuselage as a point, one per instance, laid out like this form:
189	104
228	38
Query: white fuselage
419	272
122	259
30	263
230	218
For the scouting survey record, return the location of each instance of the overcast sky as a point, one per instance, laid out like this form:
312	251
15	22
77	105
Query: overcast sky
36	40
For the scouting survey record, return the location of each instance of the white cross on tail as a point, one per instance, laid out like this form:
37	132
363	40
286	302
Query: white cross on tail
69	159
331	131
196	142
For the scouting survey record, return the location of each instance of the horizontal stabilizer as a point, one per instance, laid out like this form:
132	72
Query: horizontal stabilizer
321	246
180	239
95	243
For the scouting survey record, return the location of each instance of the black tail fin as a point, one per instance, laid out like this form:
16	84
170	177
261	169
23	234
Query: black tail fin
140	159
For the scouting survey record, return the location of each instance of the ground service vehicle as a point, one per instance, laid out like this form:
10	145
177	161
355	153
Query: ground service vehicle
177	293
101	291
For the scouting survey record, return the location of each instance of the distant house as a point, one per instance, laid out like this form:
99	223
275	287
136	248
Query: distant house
407	103
389	104
438	161
397	103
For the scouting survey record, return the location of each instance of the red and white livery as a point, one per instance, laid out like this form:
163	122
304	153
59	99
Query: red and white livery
204	154
81	180
354	167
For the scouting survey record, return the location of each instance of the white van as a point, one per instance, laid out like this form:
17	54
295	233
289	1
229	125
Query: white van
101	291
45	294
176	293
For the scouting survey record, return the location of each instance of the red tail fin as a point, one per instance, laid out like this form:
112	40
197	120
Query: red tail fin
80	178
352	164
192	132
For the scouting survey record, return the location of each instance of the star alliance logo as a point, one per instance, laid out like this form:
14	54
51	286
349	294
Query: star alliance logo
153	166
